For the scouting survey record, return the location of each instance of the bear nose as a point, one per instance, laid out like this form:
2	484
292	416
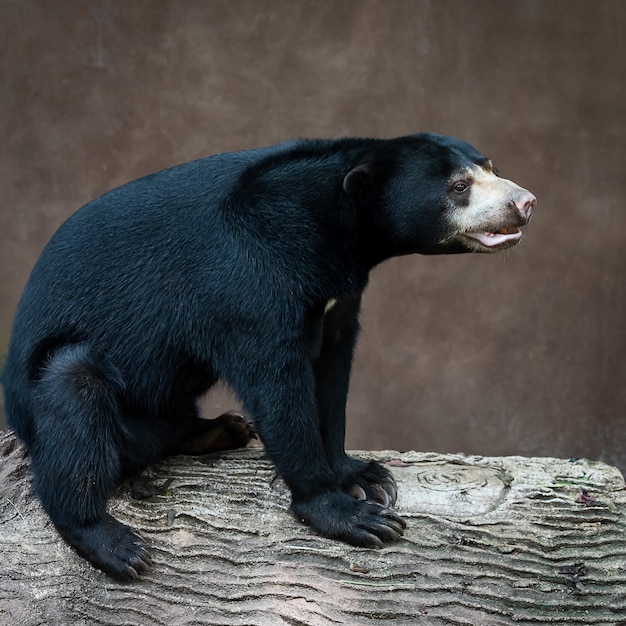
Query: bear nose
525	204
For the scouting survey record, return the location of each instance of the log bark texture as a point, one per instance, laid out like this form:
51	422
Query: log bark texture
491	541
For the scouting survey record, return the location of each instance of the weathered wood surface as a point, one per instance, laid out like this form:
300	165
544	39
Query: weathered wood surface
491	541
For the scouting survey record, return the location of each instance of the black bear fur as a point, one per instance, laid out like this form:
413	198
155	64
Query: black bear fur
245	267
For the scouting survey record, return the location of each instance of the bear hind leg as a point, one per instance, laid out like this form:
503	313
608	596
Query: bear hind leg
226	432
76	461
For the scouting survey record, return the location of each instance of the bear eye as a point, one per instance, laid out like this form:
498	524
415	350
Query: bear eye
460	186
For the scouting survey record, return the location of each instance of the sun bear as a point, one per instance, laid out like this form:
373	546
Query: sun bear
245	267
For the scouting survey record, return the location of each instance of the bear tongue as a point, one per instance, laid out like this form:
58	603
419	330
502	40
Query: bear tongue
495	239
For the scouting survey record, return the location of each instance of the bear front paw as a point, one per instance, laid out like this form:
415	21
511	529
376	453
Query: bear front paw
336	515
371	481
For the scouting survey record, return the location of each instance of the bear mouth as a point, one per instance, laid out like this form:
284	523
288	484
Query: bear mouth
502	238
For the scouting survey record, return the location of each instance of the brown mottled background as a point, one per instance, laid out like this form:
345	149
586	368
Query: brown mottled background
518	353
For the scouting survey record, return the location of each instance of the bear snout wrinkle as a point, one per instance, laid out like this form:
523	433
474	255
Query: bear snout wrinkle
248	268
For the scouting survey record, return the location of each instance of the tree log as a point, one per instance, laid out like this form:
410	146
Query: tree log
490	541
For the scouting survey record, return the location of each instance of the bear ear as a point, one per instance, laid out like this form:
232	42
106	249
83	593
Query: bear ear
357	184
